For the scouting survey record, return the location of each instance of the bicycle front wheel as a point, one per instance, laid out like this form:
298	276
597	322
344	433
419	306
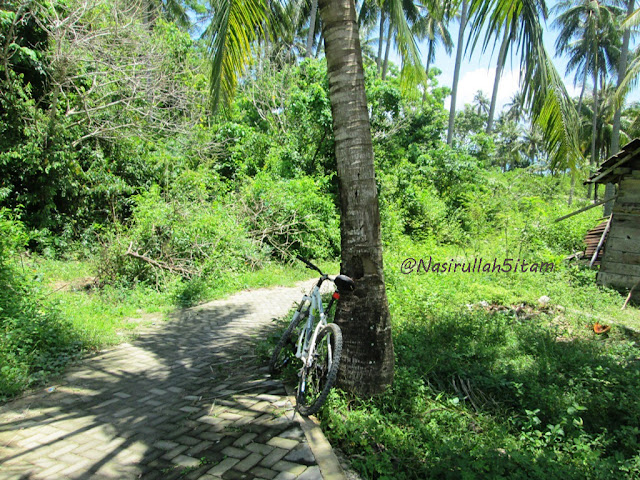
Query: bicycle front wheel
286	348
320	374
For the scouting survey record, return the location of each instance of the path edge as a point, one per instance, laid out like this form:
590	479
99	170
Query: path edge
323	451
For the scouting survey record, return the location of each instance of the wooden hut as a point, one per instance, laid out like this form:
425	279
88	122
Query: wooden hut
620	261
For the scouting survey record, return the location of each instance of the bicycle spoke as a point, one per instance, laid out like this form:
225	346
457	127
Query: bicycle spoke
320	371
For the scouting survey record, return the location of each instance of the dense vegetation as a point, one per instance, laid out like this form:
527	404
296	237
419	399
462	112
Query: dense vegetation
122	197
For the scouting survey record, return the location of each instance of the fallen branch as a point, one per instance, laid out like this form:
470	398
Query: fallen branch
162	265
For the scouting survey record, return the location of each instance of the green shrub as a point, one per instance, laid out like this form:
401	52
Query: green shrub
292	216
34	340
181	233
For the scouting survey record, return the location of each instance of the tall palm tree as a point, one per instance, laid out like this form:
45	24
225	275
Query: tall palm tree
533	141
312	27
615	134
402	14
238	24
464	8
513	26
372	12
622	70
394	18
363	316
543	89
515	108
481	103
368	360
432	24
588	35
502	57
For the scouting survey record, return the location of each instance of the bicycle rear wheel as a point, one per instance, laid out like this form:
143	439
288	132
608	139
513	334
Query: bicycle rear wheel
318	377
286	348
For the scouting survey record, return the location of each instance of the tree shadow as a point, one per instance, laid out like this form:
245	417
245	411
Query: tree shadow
529	382
164	406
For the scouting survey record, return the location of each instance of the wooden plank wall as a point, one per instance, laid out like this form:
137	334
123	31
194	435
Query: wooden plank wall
620	266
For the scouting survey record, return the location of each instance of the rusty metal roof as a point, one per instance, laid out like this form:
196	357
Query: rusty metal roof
606	173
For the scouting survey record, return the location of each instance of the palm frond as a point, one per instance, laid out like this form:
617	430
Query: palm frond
542	87
632	20
236	26
552	110
412	72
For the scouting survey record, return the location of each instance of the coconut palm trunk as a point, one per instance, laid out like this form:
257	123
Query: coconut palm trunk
385	65
312	25
363	316
380	40
502	58
426	70
456	72
584	84
594	126
610	189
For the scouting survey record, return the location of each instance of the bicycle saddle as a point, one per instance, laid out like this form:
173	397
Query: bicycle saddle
344	283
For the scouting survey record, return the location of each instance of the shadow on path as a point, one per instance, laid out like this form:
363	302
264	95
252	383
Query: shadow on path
185	400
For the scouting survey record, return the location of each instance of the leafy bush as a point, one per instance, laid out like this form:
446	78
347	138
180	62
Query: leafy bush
292	216
182	234
34	340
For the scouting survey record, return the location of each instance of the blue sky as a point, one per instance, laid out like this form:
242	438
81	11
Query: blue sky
478	71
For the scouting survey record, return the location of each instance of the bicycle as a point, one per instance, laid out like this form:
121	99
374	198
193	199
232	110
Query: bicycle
319	345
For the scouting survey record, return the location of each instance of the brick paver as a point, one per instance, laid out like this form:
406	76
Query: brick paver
187	399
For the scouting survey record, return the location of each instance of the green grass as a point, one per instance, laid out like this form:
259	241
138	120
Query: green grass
110	315
492	395
477	393
76	316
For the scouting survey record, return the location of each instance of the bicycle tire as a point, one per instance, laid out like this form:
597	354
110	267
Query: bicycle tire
318	378
276	363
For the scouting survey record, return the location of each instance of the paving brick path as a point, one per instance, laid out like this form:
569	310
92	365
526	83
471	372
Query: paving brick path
187	399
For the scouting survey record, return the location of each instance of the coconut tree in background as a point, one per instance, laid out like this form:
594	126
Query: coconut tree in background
394	18
311	34
481	103
515	108
372	12
432	25
589	36
502	58
615	134
622	70
545	96
402	14
509	27
464	9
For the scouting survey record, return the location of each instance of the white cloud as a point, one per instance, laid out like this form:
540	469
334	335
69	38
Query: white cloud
482	79
573	92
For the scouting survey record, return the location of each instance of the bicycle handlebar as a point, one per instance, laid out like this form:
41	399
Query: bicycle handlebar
309	264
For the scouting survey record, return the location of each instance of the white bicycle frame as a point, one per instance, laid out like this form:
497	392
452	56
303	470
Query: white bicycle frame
307	339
